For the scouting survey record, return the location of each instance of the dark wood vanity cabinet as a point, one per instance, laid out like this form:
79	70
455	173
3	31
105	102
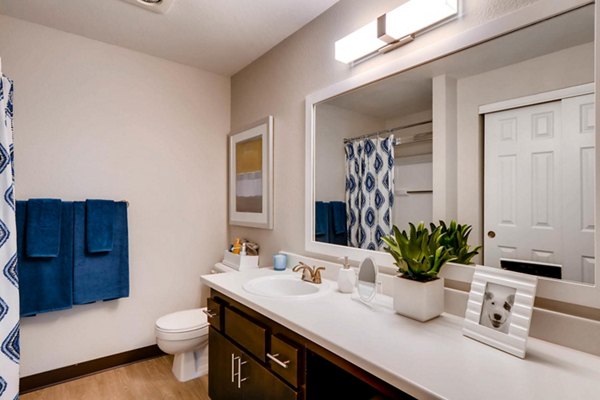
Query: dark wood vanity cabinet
222	383
253	357
236	375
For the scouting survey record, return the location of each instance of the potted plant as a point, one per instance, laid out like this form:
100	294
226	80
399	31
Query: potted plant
419	256
455	238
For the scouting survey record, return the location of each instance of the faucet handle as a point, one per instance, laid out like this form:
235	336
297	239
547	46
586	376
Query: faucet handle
300	266
306	271
316	275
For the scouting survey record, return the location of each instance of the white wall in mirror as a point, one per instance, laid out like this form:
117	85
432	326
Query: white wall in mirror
336	123
499	76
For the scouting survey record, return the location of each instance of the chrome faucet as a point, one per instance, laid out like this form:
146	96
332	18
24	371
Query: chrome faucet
309	274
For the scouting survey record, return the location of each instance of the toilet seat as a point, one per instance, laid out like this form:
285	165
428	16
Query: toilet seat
182	325
220	268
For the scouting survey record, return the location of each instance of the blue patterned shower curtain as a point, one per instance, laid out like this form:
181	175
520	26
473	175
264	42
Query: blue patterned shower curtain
9	284
369	191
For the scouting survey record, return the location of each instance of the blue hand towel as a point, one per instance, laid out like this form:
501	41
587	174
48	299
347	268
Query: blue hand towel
45	284
100	276
42	238
322	221
99	217
338	209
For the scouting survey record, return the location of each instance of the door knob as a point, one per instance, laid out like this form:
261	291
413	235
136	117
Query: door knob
491	234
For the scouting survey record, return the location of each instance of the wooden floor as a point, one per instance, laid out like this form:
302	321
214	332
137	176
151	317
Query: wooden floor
151	379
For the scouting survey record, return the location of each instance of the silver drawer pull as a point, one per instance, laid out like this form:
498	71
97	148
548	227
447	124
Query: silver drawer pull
273	357
233	358
209	313
239	373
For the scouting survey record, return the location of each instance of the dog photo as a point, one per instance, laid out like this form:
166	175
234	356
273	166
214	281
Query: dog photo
498	301
499	309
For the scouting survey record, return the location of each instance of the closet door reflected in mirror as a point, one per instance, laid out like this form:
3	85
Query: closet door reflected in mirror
463	137
539	187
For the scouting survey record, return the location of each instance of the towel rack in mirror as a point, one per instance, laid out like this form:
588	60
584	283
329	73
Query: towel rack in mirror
403	192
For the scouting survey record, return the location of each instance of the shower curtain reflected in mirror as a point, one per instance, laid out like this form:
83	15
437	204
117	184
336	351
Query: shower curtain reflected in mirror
9	285
369	191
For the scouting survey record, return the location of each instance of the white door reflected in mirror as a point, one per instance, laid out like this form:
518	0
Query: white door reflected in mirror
539	187
366	284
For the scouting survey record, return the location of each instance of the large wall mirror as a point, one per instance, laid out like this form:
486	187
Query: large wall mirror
499	135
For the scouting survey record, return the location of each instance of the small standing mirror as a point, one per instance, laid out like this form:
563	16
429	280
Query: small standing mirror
367	280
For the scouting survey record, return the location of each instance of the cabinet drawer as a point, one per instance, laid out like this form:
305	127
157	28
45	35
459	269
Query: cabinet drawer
247	333
214	314
287	354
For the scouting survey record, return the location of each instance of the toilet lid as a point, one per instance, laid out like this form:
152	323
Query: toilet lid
182	321
220	267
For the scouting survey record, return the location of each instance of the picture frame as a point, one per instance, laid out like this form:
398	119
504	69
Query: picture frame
251	175
499	309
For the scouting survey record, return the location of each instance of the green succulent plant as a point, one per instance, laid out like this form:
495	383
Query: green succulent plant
455	238
419	254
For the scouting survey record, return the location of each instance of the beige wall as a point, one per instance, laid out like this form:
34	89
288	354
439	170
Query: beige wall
278	82
98	121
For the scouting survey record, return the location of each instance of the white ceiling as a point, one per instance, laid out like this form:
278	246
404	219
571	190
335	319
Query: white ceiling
221	36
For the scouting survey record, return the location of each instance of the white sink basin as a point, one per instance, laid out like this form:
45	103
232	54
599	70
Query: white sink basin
286	286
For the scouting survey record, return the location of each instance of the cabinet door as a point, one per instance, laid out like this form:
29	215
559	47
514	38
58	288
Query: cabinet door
260	384
222	384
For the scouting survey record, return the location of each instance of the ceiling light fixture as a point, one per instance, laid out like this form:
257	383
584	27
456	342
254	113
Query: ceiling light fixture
157	6
394	29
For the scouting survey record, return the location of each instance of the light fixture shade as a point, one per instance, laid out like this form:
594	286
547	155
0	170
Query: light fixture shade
417	15
358	44
157	6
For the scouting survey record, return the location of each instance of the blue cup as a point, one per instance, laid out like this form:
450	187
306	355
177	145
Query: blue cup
279	262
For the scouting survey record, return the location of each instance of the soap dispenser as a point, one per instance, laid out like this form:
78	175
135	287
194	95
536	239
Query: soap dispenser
346	278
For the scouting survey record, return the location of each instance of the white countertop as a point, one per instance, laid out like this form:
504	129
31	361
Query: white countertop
427	360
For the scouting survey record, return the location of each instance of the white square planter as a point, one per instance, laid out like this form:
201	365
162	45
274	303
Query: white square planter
419	300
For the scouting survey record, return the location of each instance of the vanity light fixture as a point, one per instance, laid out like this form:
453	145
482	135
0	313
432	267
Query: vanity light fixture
394	29
358	44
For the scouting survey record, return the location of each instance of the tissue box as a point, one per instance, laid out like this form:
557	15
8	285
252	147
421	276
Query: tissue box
238	262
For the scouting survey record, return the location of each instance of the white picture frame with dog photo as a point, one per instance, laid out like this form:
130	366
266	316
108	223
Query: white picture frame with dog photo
499	309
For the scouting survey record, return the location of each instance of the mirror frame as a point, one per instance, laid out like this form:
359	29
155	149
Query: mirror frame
564	291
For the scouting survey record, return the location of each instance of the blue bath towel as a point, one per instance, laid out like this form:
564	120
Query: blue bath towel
337	230
100	276
42	237
322	212
99	217
338	209
45	284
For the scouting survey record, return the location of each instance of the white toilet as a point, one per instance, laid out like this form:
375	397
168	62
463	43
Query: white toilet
185	334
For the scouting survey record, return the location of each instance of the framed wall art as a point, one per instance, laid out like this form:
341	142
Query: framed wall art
251	175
